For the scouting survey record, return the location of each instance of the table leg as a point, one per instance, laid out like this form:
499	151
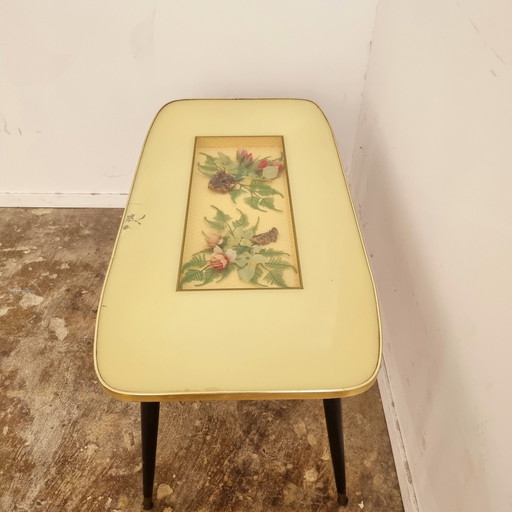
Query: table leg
334	421
149	412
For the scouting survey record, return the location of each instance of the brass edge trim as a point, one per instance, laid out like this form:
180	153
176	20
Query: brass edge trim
100	302
242	395
317	394
373	377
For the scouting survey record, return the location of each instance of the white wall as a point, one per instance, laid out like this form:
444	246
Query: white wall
432	176
80	82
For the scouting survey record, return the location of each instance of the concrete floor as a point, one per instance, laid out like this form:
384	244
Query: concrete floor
66	446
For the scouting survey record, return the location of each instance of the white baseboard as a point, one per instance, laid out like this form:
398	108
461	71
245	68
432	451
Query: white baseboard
397	444
62	200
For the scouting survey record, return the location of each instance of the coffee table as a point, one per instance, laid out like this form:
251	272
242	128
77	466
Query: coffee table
239	271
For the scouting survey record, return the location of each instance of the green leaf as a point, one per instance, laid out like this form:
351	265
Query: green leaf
218	226
253	202
250	170
241	173
268	202
228	242
220	215
246	273
225	162
279	264
244	242
198	260
225	273
207	170
235	193
257	275
249	233
258	258
242	260
242	221
273	252
262	189
209	159
254	229
224	159
237	232
208	276
192	275
275	278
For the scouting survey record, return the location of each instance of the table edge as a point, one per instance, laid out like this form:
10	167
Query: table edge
243	395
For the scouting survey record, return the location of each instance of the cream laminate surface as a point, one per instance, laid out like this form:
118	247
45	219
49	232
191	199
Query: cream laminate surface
154	342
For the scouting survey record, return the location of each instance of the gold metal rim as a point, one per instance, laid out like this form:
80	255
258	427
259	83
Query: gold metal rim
270	395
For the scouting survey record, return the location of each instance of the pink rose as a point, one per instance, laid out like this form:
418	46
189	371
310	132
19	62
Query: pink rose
219	259
279	165
243	157
263	164
212	240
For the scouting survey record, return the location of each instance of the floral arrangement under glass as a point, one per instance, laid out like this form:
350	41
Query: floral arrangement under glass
236	246
244	176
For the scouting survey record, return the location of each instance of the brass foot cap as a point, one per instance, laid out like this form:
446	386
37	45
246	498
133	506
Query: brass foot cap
147	504
342	499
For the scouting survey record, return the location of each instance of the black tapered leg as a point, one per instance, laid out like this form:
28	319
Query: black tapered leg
149	412
334	421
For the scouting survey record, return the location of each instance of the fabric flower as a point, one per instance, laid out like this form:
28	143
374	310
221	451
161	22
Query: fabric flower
279	165
212	240
268	163
219	259
243	157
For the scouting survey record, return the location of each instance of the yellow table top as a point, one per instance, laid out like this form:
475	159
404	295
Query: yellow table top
239	270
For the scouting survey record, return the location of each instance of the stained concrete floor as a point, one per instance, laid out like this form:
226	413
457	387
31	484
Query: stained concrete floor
66	446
